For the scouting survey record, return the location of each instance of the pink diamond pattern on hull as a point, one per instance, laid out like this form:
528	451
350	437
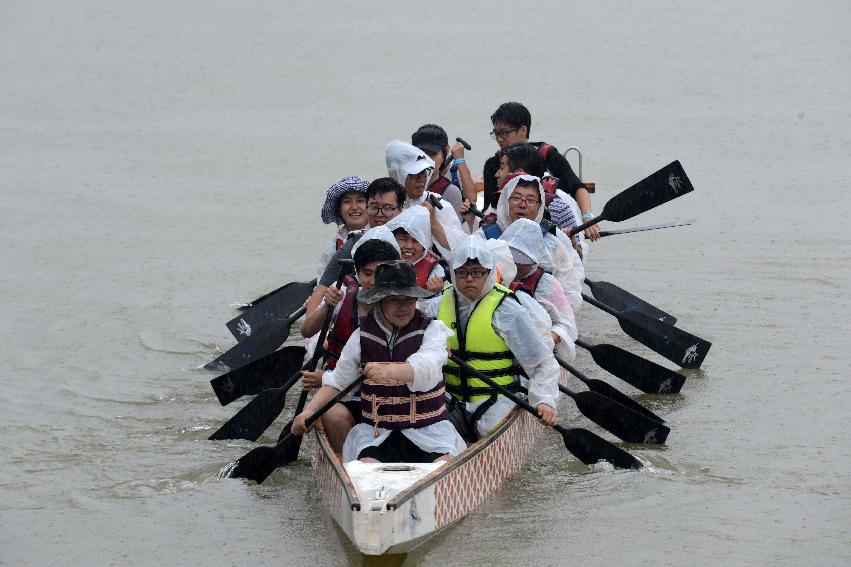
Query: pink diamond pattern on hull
461	491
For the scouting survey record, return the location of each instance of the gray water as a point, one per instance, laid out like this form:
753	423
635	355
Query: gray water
159	161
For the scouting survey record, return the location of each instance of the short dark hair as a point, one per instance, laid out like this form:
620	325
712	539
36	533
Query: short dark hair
525	157
514	114
374	250
386	185
531	183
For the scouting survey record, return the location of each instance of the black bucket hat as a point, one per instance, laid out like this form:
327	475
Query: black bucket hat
393	278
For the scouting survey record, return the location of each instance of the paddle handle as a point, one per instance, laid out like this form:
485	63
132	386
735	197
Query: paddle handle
502	390
473	210
577	229
330	403
583	344
435	201
463	143
296	315
599	305
326	323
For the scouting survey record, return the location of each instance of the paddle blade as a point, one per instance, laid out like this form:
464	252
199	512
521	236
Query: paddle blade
606	389
273	311
644	374
251	421
678	346
251	348
591	448
624	423
665	185
257	464
621	300
268	372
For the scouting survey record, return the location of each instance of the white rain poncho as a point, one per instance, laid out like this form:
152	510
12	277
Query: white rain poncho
563	258
513	322
403	159
417	222
524	236
376	233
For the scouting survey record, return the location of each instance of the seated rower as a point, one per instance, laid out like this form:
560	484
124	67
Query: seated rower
401	353
412	168
432	139
529	250
384	200
412	230
370	251
561	207
512	124
522	197
493	334
345	205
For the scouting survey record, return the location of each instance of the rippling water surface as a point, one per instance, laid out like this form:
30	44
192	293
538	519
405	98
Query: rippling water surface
161	161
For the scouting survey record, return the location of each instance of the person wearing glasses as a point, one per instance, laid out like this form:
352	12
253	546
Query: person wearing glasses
495	334
412	168
512	124
522	198
384	200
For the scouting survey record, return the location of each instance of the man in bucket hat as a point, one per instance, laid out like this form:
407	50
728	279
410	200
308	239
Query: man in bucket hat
401	352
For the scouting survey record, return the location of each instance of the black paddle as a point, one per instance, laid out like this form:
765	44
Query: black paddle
605	389
585	445
645	228
666	184
676	345
252	303
620	299
258	414
262	374
274	310
257	345
291	444
259	463
644	374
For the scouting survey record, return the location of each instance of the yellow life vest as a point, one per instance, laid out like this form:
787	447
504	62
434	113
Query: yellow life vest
479	346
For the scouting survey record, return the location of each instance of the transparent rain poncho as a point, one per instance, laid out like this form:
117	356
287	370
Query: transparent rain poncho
417	222
563	262
512	321
525	241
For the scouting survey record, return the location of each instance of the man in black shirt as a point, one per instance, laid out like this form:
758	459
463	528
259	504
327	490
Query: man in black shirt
511	125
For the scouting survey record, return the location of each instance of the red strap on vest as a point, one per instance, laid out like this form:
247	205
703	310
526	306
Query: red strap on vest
439	186
544	149
423	268
528	284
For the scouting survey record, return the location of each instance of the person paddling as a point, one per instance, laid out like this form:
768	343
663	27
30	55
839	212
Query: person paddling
493	334
412	168
401	353
345	205
412	230
512	123
528	251
432	140
374	248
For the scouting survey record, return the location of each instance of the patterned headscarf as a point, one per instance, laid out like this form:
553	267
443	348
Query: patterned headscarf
353	184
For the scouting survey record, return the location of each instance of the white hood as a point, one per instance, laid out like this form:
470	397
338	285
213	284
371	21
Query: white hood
525	236
377	233
474	248
506	270
417	222
502	218
403	160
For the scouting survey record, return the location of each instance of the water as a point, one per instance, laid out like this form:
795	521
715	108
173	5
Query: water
160	161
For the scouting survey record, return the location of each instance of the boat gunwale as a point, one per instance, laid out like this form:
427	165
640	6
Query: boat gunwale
339	470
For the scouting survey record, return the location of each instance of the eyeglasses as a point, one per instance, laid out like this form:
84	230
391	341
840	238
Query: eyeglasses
475	273
527	201
502	133
373	210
